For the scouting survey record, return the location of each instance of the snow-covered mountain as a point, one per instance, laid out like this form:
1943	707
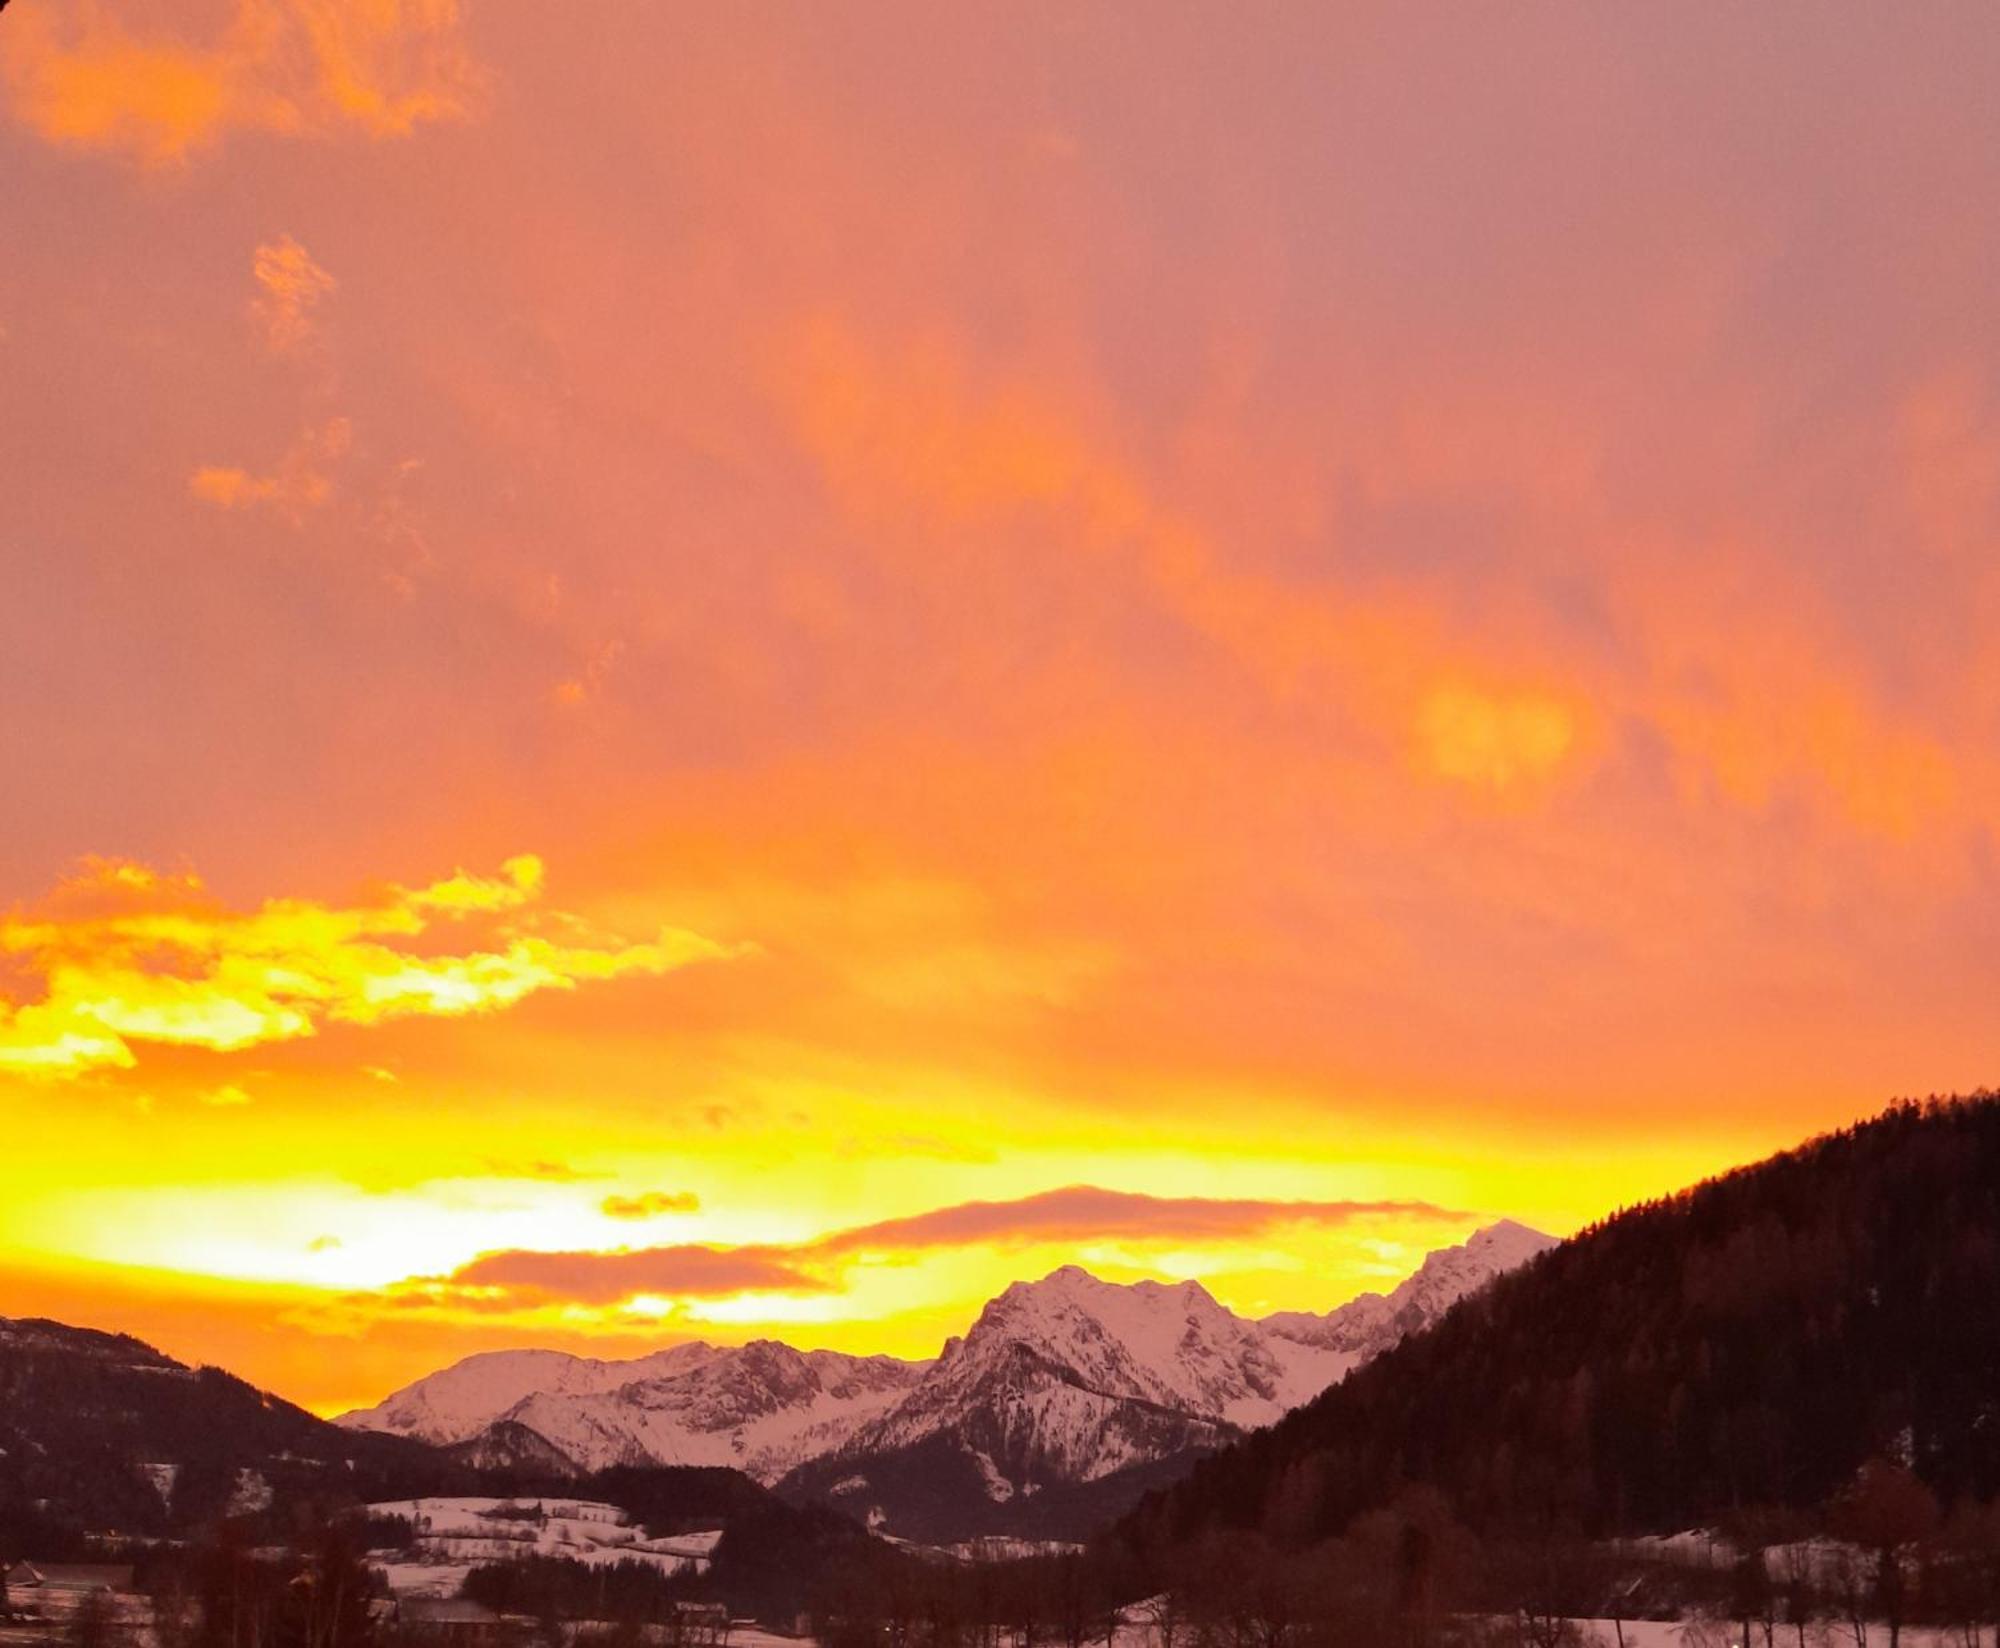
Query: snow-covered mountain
761	1407
1071	1381
1077	1377
1369	1324
1069	1388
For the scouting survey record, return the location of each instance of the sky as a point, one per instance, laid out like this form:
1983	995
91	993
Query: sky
685	671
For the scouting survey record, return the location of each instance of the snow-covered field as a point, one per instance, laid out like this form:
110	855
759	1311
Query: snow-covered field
454	1536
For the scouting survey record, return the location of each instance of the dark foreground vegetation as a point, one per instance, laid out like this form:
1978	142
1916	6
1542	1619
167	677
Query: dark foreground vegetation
1882	1557
1885	1557
1747	1343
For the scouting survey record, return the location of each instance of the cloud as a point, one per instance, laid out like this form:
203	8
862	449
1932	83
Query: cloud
82	75
290	287
521	1279
1481	738
548	1171
915	444
651	1204
579	689
302	481
1086	1213
127	956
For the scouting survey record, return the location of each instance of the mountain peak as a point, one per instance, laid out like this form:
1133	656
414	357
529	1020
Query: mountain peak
1509	1234
1067	1379
1075	1281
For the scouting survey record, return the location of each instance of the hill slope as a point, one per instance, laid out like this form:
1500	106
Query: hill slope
102	1432
1750	1341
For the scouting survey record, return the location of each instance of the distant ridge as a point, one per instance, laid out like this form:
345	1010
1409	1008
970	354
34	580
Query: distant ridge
1070	1396
99	1430
1065	1400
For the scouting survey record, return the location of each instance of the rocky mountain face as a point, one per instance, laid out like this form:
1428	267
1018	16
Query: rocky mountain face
1366	1326
761	1407
1066	1399
1070	1396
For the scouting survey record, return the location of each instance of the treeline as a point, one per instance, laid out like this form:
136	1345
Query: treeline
75	1421
627	1592
1880	1558
1748	1342
230	1593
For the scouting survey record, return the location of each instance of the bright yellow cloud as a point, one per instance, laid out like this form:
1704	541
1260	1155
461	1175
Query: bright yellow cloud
90	75
1494	739
125	956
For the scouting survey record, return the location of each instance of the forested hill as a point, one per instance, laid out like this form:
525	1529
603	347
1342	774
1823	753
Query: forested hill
101	1432
1748	1342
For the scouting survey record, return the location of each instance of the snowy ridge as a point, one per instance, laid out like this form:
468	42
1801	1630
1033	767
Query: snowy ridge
1064	1381
761	1407
1071	1379
1366	1326
1057	1362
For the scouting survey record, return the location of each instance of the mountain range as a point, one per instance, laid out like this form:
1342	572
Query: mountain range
1754	1346
1065	1400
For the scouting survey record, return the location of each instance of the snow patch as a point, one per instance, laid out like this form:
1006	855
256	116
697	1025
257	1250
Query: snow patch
451	1536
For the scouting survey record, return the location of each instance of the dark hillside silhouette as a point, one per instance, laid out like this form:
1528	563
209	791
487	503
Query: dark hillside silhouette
1749	1342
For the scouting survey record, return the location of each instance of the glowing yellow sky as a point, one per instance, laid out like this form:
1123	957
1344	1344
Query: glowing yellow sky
684	670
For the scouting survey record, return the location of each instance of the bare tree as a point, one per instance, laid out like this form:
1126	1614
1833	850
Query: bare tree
1890	1513
94	1623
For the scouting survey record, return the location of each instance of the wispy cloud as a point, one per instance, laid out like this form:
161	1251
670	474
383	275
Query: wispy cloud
1085	1212
290	288
511	1279
546	1169
651	1204
98	74
525	1279
127	956
302	481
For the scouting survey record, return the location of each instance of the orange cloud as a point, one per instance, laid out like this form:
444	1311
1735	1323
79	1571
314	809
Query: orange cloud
522	1279
1085	1212
301	482
1494	740
541	1168
912	434
508	1280
126	956
85	76
291	287
651	1204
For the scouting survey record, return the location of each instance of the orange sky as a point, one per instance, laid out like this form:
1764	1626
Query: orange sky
683	670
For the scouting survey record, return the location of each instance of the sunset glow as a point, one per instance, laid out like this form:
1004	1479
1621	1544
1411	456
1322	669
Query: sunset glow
705	672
